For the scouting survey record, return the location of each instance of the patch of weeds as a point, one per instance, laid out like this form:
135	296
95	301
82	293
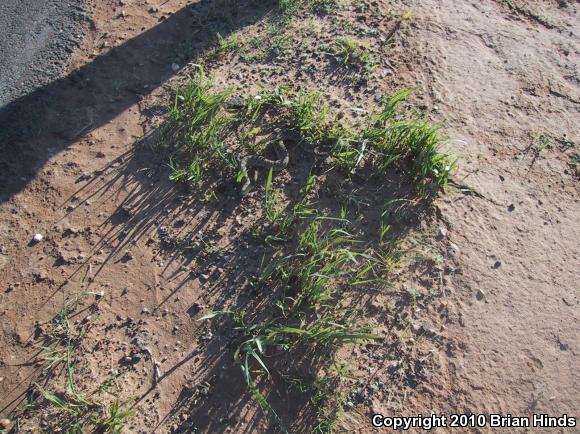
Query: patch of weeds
199	126
323	6
225	45
196	130
190	174
114	418
331	396
70	409
281	216
310	321
353	55
309	116
412	144
291	7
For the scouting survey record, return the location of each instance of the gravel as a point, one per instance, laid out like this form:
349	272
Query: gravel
36	40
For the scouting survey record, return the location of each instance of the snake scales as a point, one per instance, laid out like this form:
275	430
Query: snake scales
250	161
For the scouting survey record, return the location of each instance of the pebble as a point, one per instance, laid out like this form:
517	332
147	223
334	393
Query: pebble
145	310
480	295
174	67
37	238
454	249
443	232
5	423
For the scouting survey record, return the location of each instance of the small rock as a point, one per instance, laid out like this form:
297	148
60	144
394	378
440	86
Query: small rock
144	310
453	249
496	265
511	207
37	238
480	295
443	232
175	67
5	423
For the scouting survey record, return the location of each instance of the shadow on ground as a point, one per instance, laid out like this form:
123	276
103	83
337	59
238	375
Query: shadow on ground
39	125
195	235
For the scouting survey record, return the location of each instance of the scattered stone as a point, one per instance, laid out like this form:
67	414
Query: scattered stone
175	67
480	295
144	310
454	249
496	265
156	372
37	238
127	256
205	277
5	423
511	207
443	233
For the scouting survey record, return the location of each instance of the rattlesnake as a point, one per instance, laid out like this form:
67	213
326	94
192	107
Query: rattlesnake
258	161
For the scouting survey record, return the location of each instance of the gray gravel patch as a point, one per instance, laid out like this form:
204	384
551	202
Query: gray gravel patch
36	40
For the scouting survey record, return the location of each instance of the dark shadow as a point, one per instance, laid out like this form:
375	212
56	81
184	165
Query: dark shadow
38	125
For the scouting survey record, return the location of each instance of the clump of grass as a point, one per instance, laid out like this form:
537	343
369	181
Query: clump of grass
282	217
353	55
114	418
196	129
291	7
350	53
225	45
310	319
309	116
413	144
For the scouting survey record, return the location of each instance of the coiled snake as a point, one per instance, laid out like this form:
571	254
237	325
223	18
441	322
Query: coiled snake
250	161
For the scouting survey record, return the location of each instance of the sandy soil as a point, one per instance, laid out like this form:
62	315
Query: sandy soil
503	79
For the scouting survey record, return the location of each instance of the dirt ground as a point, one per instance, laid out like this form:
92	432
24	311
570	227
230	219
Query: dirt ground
501	336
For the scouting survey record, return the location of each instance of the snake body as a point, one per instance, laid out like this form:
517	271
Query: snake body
260	161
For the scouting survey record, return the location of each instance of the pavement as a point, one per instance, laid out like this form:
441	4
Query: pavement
36	40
